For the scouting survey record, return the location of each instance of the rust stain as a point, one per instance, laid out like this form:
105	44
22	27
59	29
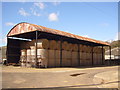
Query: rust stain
27	27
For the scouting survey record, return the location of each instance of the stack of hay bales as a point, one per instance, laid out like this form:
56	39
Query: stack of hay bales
42	56
28	63
100	55
75	55
49	52
83	58
64	53
33	62
42	52
52	53
69	54
85	55
94	56
88	55
23	57
57	54
81	55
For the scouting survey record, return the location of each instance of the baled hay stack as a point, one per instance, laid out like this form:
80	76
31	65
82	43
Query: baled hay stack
23	52
43	53
43	56
28	55
57	57
81	48
75	47
64	54
85	48
28	52
74	58
84	55
23	55
70	47
42	44
51	58
58	45
32	50
64	45
68	59
53	44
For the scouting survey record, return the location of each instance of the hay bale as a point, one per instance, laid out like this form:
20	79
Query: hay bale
43	53
23	52
57	58
64	54
70	46
58	45
42	57
28	52
81	48
42	44
32	50
51	58
66	60
74	58
53	44
64	45
75	47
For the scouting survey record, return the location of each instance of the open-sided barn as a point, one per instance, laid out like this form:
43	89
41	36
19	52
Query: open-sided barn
37	46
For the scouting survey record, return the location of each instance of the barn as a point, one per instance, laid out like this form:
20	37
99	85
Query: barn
33	45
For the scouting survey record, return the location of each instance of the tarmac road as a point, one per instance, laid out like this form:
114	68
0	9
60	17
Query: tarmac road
53	78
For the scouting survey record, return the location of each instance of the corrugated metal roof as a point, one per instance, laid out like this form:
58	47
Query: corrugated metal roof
27	27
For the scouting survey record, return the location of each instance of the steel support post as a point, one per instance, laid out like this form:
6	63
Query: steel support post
92	57
110	54
102	55
36	48
78	55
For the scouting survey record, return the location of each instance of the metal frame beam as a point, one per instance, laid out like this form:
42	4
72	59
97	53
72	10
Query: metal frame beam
61	51
92	57
36	59
78	55
102	56
110	54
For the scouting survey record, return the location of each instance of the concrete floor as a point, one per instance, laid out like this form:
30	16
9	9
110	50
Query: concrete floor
59	78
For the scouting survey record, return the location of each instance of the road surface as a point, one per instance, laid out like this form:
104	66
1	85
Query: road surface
17	77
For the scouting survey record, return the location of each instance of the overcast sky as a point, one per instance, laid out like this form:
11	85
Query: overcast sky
97	20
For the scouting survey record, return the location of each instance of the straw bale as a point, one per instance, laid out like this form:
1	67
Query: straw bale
53	44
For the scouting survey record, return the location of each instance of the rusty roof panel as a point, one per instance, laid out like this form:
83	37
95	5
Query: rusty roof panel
27	27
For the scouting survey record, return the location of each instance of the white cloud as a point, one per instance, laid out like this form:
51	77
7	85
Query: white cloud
9	24
55	3
34	12
23	12
53	17
40	5
117	37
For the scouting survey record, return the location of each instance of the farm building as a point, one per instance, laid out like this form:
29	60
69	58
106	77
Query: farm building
37	46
